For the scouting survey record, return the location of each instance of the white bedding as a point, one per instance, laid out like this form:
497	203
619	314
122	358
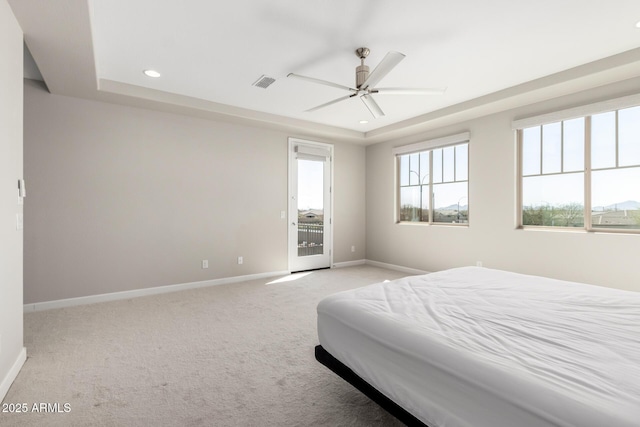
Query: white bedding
475	347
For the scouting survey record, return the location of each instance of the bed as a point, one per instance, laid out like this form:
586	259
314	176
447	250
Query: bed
476	347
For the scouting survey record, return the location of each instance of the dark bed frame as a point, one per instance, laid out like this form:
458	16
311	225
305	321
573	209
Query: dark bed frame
324	357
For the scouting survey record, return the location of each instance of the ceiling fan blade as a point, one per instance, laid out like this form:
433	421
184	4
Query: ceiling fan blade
372	105
335	101
387	64
321	82
409	91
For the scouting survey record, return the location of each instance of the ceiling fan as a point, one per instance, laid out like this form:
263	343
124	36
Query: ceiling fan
365	83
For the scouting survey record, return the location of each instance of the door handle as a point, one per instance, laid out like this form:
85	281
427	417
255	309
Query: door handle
293	223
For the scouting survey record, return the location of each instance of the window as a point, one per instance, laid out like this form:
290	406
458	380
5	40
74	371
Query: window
582	172
433	184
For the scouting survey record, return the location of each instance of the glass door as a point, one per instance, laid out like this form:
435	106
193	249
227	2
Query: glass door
309	205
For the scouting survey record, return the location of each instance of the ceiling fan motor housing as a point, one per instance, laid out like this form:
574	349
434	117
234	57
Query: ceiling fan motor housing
362	72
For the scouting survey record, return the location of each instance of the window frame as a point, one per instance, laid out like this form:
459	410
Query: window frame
587	112
429	147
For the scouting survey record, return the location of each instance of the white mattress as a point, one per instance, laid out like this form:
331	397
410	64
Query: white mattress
476	347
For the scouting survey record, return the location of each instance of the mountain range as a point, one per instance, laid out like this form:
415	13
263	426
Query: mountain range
627	205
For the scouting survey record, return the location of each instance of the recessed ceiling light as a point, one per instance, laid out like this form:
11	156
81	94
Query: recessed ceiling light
364	122
638	24
151	73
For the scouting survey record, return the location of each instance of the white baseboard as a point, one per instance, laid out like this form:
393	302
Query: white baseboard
13	373
114	296
349	263
395	267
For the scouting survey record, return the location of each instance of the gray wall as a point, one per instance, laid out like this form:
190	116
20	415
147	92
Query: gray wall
122	198
603	259
11	342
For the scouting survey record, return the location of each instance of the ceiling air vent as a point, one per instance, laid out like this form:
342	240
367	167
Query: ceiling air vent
264	81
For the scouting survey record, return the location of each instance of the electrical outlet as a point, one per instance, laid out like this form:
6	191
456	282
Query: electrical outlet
283	215
353	248
205	263
240	260
478	263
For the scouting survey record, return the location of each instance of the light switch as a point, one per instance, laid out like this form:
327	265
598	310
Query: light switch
22	189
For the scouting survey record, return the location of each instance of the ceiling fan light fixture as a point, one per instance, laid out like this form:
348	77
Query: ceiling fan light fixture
151	73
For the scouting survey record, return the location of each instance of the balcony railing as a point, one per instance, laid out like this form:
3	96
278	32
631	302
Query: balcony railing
310	239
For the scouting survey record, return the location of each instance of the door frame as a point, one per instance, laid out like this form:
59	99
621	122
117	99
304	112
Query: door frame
328	242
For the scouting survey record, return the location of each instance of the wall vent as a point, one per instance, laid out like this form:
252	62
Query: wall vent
264	81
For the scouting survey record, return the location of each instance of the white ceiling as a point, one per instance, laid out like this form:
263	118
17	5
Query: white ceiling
210	52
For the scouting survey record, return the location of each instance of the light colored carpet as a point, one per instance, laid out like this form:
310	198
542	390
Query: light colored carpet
232	355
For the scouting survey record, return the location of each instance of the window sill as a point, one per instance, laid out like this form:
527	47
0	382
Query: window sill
433	224
578	230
